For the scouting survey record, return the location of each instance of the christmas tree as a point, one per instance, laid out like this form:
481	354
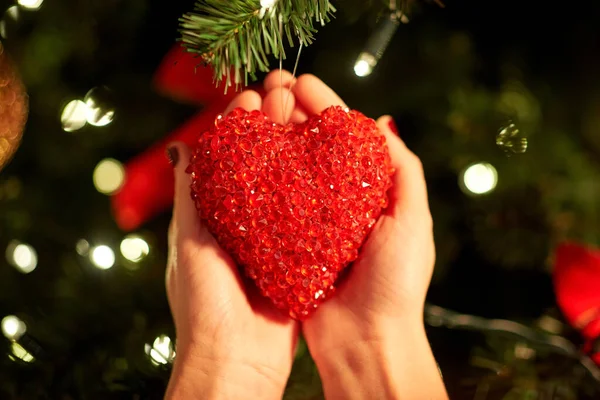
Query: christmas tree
498	100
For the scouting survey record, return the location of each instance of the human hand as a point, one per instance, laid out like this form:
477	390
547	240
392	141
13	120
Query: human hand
231	341
368	340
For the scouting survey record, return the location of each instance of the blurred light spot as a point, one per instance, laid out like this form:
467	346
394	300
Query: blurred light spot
9	22
13	328
31	4
479	178
108	176
102	257
161	351
511	139
82	247
364	64
100	108
134	248
19	352
21	256
74	116
12	12
524	352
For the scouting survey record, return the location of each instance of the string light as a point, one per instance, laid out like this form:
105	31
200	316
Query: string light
22	256
161	352
19	352
13	328
30	4
134	248
74	116
109	176
378	42
103	257
478	179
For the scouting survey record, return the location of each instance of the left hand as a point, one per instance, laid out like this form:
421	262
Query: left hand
231	341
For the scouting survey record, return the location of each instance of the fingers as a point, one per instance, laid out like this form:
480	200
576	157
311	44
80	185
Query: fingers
185	219
278	78
274	103
248	100
409	193
314	95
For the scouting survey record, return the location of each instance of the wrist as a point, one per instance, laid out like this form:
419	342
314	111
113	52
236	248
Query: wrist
203	377
394	362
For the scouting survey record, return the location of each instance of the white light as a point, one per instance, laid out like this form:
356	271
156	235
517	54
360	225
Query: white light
73	116
30	4
102	257
364	64
13	328
109	176
19	352
161	351
22	256
134	248
362	68
480	178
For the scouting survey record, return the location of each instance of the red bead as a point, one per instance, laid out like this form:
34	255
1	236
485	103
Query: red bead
292	204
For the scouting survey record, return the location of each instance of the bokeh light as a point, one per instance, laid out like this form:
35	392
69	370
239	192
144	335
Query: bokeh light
109	176
100	108
22	256
134	248
161	351
103	257
74	116
31	4
480	178
20	353
82	247
13	327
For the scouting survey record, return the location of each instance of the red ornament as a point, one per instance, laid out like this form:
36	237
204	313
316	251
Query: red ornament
292	204
576	278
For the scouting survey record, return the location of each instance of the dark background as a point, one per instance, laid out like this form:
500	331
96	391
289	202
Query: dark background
451	78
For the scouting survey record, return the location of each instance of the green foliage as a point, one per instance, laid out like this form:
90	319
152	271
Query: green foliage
240	36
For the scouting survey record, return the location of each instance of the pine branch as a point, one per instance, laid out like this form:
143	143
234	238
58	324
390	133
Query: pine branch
238	37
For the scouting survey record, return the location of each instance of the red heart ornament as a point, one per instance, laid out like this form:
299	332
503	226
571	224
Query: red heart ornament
292	204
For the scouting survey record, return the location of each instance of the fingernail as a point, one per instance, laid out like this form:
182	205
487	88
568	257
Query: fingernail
173	155
393	126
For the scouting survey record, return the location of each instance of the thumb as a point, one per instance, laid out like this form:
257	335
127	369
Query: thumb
185	216
409	191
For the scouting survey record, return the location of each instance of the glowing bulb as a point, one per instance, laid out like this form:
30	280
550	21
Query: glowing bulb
103	257
73	117
134	248
480	178
19	352
22	256
30	4
161	351
364	64
13	328
109	176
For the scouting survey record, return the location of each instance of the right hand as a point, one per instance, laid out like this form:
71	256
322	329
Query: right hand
377	311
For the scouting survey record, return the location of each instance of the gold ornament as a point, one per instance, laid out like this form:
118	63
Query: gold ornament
13	109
